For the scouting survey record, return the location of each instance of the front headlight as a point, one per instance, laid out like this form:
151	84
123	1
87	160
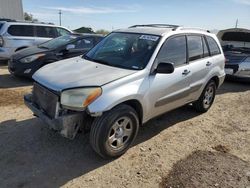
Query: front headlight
78	99
31	58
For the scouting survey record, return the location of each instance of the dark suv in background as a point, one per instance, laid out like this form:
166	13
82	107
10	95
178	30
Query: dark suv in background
27	61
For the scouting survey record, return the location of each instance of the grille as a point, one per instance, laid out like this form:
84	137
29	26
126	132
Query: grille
45	100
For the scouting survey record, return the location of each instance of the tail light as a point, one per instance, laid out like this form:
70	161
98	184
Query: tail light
1	41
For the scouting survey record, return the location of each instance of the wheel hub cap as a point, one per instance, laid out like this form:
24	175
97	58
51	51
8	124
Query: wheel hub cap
120	133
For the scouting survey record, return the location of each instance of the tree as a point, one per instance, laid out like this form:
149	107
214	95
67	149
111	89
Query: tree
84	30
102	31
29	17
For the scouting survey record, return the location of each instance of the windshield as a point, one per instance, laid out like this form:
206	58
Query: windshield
124	50
57	42
236	36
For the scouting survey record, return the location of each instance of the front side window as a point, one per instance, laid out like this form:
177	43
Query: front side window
125	50
213	46
58	42
195	48
46	32
173	51
21	30
86	43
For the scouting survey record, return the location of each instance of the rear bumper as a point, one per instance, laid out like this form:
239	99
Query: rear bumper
241	70
68	125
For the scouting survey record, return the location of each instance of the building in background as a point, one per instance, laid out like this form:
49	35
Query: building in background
11	9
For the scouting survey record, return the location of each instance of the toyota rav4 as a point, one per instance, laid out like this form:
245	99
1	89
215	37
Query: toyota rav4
130	77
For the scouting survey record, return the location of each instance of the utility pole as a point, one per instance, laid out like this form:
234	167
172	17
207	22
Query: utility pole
236	24
60	17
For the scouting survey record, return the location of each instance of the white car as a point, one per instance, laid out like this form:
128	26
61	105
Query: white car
16	35
130	77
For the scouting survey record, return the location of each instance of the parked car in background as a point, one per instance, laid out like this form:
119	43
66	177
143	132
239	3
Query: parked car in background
27	61
15	35
236	47
130	77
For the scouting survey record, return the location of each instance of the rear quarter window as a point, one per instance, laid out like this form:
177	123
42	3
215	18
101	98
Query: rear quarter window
21	30
62	32
213	46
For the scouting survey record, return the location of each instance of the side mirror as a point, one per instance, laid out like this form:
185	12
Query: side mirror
165	68
70	46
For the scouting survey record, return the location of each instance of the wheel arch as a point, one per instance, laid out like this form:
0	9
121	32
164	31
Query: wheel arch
216	80
136	105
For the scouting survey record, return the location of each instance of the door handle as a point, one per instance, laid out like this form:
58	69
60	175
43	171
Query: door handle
186	72
208	64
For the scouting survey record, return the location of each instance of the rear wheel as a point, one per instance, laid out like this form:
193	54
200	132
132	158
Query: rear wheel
207	98
113	133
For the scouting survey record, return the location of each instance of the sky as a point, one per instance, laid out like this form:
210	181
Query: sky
115	14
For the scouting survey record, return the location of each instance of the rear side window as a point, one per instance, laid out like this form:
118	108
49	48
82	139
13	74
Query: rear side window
21	30
62	32
213	46
173	51
195	48
46	32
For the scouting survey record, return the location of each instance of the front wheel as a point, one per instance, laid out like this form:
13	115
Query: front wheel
207	98
113	133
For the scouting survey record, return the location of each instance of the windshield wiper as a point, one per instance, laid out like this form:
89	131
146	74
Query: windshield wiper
40	46
87	57
102	62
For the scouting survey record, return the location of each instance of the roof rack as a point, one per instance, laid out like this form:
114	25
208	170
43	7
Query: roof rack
24	21
192	28
7	20
156	25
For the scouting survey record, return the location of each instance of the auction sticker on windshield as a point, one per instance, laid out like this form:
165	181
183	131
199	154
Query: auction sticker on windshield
149	37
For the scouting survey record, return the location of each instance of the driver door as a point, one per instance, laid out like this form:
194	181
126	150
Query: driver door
169	91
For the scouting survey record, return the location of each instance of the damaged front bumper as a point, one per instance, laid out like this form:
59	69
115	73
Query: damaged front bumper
67	124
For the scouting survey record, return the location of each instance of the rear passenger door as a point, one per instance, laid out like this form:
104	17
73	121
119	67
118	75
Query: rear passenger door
199	63
168	91
44	33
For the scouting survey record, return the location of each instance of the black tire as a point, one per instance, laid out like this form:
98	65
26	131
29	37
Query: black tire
104	126
200	105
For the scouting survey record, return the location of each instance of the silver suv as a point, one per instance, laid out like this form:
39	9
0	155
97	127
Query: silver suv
130	77
15	35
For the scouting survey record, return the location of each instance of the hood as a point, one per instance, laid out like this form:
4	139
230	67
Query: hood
77	72
28	51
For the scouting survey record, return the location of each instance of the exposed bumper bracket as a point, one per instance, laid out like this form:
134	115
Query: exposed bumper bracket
68	125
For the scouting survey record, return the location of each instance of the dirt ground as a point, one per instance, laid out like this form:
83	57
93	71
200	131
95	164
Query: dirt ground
182	148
